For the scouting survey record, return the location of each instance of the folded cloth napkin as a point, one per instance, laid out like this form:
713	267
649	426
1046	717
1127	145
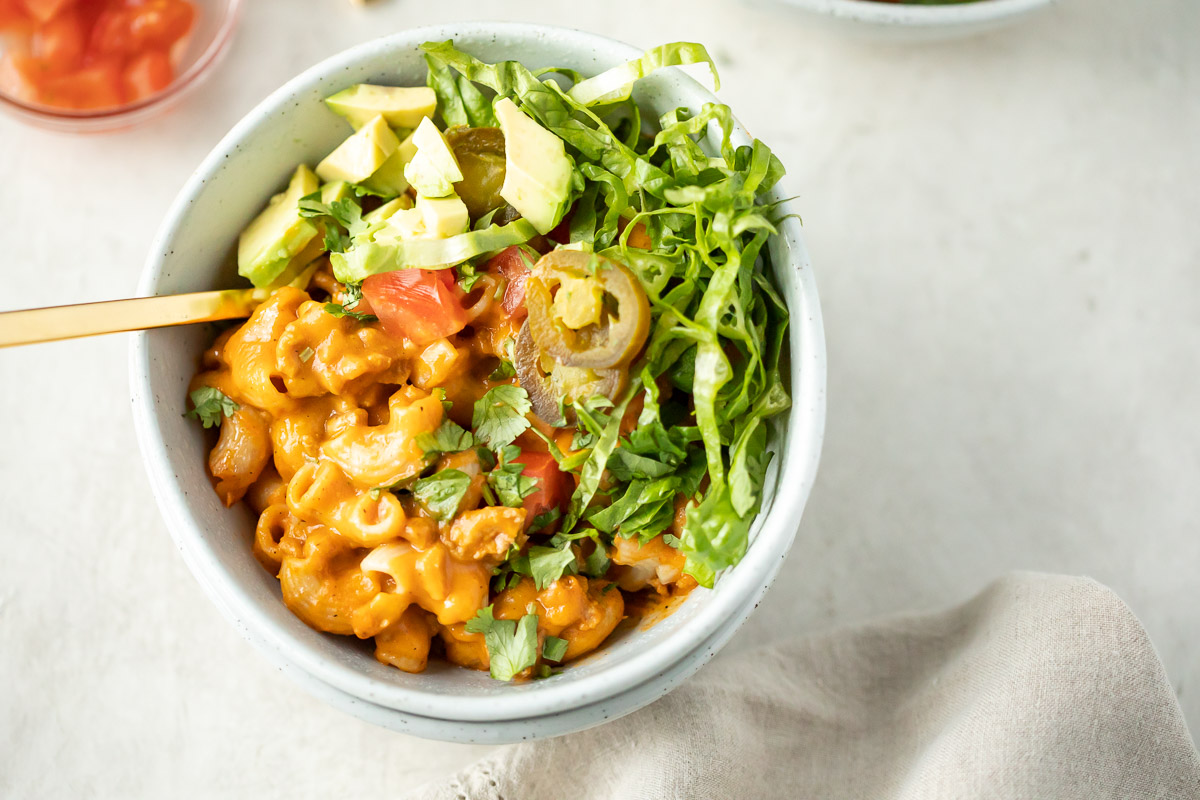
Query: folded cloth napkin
1040	687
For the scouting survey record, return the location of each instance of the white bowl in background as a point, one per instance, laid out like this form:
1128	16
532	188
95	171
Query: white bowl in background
193	252
908	22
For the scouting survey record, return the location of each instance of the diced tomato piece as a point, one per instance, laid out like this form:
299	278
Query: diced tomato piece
112	33
94	87
512	265
59	43
554	486
20	76
45	10
13	18
419	304
148	74
161	23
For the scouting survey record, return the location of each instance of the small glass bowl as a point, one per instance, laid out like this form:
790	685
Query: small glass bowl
207	43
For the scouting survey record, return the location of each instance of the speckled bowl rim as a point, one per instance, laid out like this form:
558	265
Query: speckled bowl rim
740	587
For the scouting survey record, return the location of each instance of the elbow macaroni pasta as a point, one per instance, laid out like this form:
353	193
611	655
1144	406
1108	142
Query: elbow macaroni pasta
329	414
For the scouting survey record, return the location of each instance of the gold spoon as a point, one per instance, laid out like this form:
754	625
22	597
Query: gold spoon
114	316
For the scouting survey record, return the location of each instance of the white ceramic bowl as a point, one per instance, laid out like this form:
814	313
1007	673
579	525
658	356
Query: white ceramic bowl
907	22
193	252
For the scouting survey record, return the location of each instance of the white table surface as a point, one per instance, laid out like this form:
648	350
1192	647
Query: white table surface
1006	242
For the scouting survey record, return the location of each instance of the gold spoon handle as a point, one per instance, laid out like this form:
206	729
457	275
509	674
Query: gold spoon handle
115	316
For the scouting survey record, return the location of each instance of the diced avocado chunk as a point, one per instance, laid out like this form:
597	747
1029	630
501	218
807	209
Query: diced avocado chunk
537	177
400	106
387	209
299	264
443	216
389	179
408	223
361	154
279	233
338	190
433	171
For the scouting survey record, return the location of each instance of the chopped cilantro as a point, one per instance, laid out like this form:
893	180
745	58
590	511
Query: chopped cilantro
503	371
442	492
512	486
335	240
548	564
512	646
338	310
353	294
346	213
554	648
450	437
500	415
210	404
544	520
596	564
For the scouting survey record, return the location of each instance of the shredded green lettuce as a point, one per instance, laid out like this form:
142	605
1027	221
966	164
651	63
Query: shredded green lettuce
709	380
718	323
385	253
616	84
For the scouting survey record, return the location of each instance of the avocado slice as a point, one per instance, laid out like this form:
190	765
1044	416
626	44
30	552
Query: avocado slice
443	216
279	233
293	274
387	209
338	190
434	170
361	154
389	180
400	106
537	170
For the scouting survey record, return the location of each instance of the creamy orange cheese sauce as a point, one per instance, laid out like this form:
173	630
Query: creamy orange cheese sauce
329	413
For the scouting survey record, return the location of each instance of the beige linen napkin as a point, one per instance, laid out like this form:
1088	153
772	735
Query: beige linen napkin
1040	687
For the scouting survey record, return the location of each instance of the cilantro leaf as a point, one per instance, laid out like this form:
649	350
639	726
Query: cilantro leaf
335	240
348	214
554	648
499	416
450	437
442	492
311	206
544	520
339	311
512	486
209	405
597	563
512	646
503	371
353	294
548	564
342	220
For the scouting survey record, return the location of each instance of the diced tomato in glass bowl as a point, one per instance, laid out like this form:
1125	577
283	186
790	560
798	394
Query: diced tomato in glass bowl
92	65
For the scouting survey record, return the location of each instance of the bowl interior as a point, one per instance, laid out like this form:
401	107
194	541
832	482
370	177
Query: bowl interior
194	253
